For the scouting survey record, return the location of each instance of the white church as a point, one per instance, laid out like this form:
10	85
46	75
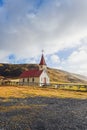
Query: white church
36	76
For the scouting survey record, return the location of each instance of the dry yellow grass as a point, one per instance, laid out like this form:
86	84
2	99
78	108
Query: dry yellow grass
23	92
18	107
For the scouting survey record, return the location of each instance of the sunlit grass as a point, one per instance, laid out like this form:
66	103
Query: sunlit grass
23	92
75	88
18	107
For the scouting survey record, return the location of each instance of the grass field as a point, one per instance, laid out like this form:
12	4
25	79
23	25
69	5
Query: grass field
34	108
23	92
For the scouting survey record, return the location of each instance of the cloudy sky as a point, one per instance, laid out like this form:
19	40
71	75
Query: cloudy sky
57	26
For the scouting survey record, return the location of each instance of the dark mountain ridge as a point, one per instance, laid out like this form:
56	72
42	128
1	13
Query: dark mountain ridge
56	75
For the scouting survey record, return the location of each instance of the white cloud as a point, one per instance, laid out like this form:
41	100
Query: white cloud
77	61
55	25
55	59
52	26
3	56
78	57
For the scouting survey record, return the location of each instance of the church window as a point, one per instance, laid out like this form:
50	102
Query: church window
23	80
32	79
28	80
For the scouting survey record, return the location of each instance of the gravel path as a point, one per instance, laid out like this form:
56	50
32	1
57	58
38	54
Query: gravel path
40	113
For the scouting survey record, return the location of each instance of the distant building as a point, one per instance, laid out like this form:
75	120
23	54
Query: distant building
36	76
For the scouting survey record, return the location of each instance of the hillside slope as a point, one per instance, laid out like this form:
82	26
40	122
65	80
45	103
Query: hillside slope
57	75
14	70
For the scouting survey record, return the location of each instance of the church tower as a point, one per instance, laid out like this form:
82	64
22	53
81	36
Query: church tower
42	64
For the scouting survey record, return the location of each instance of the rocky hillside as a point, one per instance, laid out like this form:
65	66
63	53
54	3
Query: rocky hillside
14	70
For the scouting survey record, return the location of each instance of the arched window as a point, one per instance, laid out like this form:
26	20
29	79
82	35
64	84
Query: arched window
28	80
23	80
32	79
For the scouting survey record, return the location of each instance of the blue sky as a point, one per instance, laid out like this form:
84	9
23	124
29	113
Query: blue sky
1	2
57	26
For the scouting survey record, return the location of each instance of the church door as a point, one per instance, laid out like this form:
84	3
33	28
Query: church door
44	80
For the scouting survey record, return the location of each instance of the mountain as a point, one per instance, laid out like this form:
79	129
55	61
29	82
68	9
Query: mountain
56	75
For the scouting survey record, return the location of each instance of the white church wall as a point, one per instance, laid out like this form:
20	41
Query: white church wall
44	78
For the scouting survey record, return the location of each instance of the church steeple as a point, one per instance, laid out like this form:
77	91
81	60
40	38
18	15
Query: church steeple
42	64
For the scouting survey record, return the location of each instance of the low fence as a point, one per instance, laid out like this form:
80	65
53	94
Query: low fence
70	86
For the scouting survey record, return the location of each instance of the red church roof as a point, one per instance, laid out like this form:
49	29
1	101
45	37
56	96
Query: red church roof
42	61
31	73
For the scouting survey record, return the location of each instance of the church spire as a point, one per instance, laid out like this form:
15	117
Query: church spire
42	63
